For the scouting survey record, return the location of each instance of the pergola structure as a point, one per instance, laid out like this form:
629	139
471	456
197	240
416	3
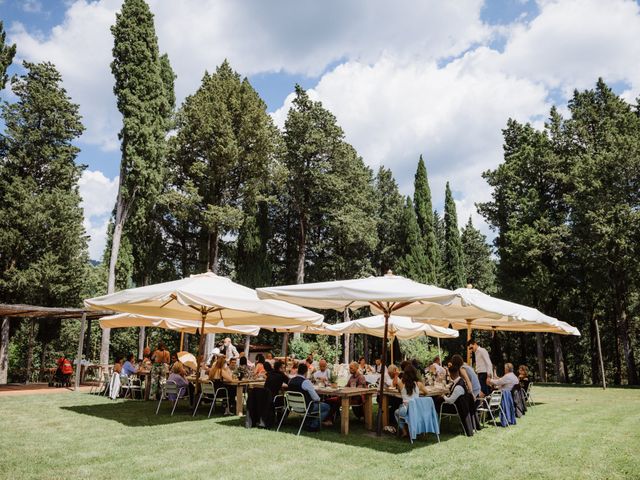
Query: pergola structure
8	311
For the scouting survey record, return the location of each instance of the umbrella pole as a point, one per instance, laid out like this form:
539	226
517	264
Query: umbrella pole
203	312
468	338
439	351
384	365
181	340
604	382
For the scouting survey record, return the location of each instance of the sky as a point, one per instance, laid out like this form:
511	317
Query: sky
404	78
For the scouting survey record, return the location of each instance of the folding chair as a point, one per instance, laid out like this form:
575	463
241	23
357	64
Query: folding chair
450	414
210	392
296	403
491	404
131	385
171	388
97	388
405	418
527	395
106	384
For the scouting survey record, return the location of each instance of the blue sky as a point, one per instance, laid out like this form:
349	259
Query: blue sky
404	78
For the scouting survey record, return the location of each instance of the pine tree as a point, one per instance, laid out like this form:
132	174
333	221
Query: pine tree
7	52
142	101
424	214
478	265
43	246
453	256
390	214
413	262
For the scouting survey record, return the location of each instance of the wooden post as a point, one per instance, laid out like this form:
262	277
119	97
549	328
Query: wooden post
387	312
4	351
181	341
604	381
80	348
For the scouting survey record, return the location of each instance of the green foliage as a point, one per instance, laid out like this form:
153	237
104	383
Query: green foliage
422	350
424	215
321	346
453	255
7	52
414	263
389	214
478	265
43	247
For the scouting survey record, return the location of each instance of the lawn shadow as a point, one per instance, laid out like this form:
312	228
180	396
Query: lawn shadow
138	413
358	436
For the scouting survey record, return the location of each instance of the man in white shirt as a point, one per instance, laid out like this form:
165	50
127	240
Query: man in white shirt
229	350
321	375
506	382
436	367
483	365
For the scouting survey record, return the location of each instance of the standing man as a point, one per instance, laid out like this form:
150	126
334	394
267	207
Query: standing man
483	365
229	350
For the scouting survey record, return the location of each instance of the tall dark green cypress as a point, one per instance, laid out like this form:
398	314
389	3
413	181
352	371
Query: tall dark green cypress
478	265
424	214
390	214
453	256
7	52
413	263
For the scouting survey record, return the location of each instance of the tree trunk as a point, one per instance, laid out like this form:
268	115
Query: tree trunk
593	348
212	257
141	338
302	244
285	344
540	352
247	344
88	351
617	373
352	345
30	349
43	359
345	318
632	376
116	237
4	351
559	360
365	347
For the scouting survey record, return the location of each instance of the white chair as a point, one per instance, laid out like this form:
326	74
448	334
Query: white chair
450	415
171	388
296	403
208	391
491	404
527	395
99	387
130	385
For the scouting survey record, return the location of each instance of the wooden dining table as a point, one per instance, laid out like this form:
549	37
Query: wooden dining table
346	394
432	391
241	385
145	376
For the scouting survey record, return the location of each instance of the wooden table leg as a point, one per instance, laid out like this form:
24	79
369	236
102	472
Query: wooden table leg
147	386
344	416
385	410
239	399
368	412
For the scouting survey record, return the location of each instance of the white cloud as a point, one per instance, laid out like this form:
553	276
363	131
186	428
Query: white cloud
32	6
98	198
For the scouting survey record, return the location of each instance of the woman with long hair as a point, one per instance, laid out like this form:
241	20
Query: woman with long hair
410	388
221	373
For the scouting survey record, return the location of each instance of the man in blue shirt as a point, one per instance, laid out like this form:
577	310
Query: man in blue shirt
129	368
301	384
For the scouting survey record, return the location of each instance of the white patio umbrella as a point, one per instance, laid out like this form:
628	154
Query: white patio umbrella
124	320
389	293
208	298
311	330
473	309
402	328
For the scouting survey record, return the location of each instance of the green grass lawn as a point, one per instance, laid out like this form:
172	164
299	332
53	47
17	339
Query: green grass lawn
581	433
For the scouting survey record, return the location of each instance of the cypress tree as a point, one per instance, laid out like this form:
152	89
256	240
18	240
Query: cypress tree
390	214
453	256
142	101
413	263
424	215
7	52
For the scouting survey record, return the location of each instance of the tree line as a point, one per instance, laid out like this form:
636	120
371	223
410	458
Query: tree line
214	185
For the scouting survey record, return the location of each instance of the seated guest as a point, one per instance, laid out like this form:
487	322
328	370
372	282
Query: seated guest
146	357
276	378
391	376
436	367
269	358
293	368
233	365
356	379
363	368
507	381
321	376
117	367
220	373
410	388
267	367
310	368
301	384
523	377
250	364
129	368
465	405
258	369
178	376
467	374
377	368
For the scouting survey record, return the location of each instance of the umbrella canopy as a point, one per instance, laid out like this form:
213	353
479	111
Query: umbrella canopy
313	330
205	297
474	309
401	327
123	320
390	292
188	360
